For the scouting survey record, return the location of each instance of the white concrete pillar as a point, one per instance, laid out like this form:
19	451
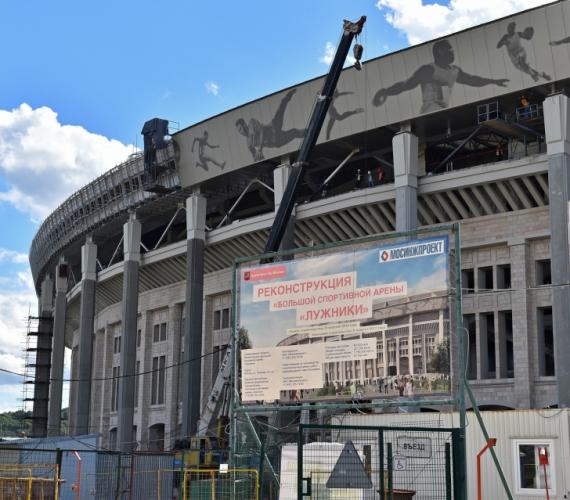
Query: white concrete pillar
86	318
131	250
405	152
196	242
58	349
280	179
557	127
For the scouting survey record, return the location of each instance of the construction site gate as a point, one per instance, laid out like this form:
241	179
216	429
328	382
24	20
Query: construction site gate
366	462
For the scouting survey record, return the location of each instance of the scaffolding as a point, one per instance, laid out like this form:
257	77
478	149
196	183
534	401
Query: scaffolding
37	369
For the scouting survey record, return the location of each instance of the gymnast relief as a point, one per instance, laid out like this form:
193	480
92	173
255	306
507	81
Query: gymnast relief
203	157
270	135
334	114
513	41
436	80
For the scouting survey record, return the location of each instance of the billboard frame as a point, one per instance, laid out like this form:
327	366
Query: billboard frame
240	412
457	399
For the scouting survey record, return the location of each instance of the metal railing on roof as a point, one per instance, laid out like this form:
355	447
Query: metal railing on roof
111	194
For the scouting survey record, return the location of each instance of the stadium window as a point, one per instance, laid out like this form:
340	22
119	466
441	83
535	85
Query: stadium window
485	275
115	388
543	272
506	344
403	347
417	346
182	333
117	345
487	340
225	318
430	345
504	276
137	382
530	473
545	342
159	332
221	318
113	439
158	380
380	352
160	322
468	280
139	337
471	330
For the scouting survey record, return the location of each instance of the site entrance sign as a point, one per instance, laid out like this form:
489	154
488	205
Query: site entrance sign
363	321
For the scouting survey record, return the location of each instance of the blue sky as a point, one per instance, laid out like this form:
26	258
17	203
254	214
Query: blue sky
79	80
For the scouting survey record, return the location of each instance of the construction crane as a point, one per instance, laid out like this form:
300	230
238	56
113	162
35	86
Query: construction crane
350	31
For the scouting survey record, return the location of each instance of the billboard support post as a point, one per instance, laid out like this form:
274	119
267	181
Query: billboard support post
462	454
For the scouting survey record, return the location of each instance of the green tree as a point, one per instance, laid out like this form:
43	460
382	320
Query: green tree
15	423
244	342
439	361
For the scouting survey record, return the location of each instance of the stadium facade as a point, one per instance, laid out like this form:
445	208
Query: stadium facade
473	127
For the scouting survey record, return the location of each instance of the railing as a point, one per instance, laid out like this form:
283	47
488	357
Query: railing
114	192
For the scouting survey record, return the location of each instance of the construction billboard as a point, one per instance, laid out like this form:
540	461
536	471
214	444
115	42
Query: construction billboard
361	322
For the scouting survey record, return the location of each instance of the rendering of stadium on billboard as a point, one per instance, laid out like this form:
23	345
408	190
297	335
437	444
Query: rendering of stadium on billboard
363	322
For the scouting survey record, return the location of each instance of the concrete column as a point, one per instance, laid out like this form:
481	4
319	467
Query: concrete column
483	347
58	349
173	377
43	360
478	348
86	317
130	304
196	240
280	178
498	354
522	317
557	126
405	150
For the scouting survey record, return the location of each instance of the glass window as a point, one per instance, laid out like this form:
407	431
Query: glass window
115	389
504	276
154	380
163	331
485	278
531	475
545	342
137	380
468	280
543	272
139	337
156	333
158	380
225	318
217	320
116	345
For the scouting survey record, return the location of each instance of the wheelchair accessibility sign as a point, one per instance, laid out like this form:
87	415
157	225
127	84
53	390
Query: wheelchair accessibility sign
400	462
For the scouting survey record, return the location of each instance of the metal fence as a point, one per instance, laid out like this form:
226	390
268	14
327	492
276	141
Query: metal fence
48	474
359	462
61	474
213	484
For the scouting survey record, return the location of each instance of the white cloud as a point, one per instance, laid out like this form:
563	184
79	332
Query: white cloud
328	56
421	21
12	256
212	88
44	161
